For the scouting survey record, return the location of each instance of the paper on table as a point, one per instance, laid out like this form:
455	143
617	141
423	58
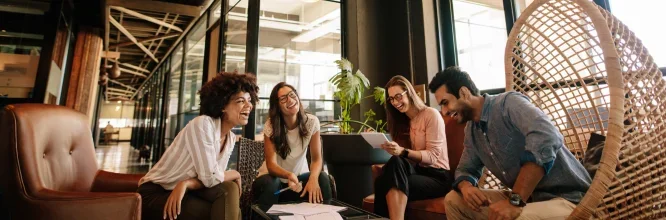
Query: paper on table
320	216
374	139
292	217
304	208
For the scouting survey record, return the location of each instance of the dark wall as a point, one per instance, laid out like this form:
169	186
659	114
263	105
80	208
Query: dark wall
377	36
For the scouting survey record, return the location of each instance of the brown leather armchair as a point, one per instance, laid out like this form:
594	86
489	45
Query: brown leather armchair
430	208
49	169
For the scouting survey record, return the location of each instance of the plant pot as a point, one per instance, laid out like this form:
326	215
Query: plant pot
349	159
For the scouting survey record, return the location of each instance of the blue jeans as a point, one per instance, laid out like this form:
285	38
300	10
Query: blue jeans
265	186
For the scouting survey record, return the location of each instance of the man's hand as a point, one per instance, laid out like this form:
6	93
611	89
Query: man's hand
392	148
503	210
172	206
313	190
473	196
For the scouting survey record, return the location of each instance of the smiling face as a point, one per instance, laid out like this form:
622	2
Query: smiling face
237	111
398	98
458	108
289	101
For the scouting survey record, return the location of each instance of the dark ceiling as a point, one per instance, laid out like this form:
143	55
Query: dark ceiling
89	12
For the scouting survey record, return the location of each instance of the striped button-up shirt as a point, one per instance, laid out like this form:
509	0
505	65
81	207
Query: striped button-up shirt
195	153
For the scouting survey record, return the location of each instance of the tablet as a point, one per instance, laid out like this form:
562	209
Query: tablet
374	139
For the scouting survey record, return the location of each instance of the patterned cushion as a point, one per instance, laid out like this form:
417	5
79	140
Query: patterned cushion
595	148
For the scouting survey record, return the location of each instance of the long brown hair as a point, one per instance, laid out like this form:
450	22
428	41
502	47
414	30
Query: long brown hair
279	135
398	122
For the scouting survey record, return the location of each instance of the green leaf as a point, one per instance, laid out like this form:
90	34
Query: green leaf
349	89
379	95
369	114
363	79
344	65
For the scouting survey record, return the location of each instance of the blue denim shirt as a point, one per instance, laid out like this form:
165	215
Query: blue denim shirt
511	132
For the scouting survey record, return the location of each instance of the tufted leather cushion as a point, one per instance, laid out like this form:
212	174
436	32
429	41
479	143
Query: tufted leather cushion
49	165
60	157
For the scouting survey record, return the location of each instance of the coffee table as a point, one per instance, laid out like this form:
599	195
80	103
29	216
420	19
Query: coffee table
259	212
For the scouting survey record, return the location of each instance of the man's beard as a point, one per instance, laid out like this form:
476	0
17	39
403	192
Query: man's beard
464	114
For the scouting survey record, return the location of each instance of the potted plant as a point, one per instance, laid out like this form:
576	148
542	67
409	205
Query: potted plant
349	90
348	156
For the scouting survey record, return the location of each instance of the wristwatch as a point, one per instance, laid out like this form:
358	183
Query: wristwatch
404	153
516	200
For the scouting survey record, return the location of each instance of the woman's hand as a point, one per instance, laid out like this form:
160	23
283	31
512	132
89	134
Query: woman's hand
240	186
313	190
392	148
172	206
233	175
293	183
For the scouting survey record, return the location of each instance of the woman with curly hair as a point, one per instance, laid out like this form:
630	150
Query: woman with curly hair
288	133
190	181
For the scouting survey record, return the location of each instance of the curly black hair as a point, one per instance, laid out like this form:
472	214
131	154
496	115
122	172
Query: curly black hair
215	94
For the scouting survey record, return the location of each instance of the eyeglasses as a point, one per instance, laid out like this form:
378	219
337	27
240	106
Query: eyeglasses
396	97
283	99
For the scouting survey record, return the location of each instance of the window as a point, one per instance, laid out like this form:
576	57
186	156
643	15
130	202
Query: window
298	44
643	18
193	75
523	4
194	68
215	13
173	94
480	29
20	48
236	35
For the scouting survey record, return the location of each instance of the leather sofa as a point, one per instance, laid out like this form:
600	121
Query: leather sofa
49	170
431	208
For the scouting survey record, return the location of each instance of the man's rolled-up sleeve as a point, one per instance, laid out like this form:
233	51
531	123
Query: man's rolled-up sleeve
470	167
542	138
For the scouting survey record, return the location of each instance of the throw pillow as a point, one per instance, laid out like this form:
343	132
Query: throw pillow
595	148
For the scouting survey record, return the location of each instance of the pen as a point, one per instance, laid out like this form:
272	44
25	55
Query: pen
282	190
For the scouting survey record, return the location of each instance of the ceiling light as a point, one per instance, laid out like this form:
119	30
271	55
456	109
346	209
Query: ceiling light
120	102
310	1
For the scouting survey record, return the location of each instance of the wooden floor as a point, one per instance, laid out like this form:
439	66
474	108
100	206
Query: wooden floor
120	158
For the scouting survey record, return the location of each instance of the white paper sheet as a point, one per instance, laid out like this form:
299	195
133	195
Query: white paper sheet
305	208
374	139
320	216
292	217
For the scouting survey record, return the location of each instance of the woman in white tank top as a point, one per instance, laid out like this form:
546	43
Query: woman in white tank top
288	135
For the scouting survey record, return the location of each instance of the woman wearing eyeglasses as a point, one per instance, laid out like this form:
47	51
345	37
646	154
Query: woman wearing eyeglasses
419	167
288	134
191	180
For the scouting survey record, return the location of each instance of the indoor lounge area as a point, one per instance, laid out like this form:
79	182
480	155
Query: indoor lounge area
165	109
